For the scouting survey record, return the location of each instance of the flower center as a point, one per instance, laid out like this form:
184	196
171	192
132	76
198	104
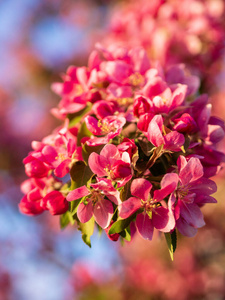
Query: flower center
95	196
106	127
136	79
125	101
149	206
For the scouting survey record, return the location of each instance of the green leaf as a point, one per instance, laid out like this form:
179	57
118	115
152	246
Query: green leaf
77	117
120	225
74	205
146	146
83	132
87	150
80	174
87	230
66	219
171	239
126	234
125	191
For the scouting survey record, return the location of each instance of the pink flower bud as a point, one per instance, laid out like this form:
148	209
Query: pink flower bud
144	121
185	124
36	168
141	106
31	208
55	202
103	109
121	169
128	146
113	237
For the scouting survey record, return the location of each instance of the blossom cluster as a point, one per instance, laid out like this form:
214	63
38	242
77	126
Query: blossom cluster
172	31
135	152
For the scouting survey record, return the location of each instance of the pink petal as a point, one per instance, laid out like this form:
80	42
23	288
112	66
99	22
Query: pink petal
71	147
179	96
155	86
62	168
85	211
78	193
98	163
118	71
103	212
192	171
49	153
215	133
69	108
92	125
185	228
181	162
144	226
97	141
141	188
163	220
128	207
202	199
192	214
140	60
110	151
203	186
168	185
34	195
155	131
173	141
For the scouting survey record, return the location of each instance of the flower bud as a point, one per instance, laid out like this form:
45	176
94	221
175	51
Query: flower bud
55	202
141	106
185	124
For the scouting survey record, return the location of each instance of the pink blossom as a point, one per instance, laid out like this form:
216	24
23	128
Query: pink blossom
191	190
35	190
185	124
153	214
141	106
55	202
109	127
128	146
111	163
34	167
95	203
172	141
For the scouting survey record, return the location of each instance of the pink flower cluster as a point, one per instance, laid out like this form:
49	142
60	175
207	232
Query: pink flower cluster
134	153
172	31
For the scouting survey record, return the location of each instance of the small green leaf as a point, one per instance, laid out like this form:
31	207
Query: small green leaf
87	230
126	234
120	225
74	205
171	239
80	174
66	219
146	146
125	191
83	132
87	150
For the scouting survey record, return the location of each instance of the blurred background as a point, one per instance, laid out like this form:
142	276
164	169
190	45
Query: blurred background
39	39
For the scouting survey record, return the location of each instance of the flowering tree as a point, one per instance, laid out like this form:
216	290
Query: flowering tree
135	151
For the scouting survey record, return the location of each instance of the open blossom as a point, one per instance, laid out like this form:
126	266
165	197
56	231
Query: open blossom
109	127
191	191
172	141
95	203
153	214
111	163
